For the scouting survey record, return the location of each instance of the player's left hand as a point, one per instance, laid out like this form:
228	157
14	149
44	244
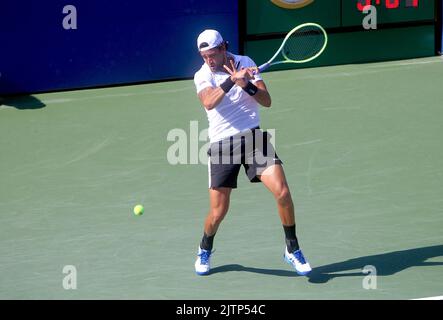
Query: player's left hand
240	77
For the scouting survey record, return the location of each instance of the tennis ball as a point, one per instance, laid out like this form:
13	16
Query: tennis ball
138	210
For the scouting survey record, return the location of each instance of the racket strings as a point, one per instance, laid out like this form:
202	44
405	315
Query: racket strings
304	43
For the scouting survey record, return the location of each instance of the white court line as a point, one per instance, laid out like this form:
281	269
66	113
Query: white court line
302	143
114	95
414	63
430	298
409	63
306	142
342	108
372	68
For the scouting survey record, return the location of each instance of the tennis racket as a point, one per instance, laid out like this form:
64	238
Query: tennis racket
302	44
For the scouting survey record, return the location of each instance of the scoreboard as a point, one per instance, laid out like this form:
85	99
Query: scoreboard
388	11
404	28
272	16
389	4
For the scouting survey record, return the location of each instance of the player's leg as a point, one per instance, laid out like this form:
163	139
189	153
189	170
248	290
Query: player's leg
264	165
273	177
222	179
219	205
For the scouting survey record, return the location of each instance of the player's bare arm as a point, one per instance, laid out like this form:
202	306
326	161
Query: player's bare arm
211	97
262	96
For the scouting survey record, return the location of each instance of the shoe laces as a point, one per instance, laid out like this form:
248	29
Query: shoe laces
299	256
204	256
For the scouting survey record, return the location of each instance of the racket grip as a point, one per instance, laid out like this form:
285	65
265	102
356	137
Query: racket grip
263	67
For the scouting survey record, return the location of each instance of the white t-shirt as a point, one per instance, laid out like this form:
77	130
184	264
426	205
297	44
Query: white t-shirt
238	111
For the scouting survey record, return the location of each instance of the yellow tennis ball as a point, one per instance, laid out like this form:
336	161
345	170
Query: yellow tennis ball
138	210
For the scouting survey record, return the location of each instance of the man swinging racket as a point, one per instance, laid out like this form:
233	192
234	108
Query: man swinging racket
231	92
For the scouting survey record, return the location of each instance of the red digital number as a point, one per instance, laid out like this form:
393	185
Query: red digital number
361	4
392	4
411	3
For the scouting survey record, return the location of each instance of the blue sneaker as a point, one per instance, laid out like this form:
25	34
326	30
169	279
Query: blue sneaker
298	261
203	263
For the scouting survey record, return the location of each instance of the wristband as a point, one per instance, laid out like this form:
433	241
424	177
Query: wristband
251	89
227	85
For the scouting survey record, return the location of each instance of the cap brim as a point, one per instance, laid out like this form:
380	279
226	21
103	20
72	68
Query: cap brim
207	48
211	47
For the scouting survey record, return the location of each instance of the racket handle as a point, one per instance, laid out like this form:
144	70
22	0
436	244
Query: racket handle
263	67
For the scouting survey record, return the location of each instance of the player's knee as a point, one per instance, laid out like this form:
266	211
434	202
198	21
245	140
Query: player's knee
283	196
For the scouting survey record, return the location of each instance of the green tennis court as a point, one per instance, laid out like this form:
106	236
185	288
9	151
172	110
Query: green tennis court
362	151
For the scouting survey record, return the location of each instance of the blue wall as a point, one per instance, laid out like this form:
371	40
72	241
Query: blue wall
115	43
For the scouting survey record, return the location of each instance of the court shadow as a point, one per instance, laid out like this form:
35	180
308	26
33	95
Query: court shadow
22	102
386	264
240	268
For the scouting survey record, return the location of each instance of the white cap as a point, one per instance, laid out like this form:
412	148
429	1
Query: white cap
209	39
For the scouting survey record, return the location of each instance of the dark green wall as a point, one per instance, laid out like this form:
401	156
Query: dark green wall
349	42
265	17
262	16
353	17
356	47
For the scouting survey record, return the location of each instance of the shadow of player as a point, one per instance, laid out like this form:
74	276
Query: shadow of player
22	102
386	264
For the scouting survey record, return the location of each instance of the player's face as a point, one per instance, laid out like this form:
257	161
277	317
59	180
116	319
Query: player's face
215	58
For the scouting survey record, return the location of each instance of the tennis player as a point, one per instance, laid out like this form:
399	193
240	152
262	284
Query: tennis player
231	95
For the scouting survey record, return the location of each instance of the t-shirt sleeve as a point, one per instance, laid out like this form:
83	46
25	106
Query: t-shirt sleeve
202	81
249	63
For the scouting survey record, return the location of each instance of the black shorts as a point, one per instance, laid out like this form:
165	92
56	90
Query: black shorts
251	149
